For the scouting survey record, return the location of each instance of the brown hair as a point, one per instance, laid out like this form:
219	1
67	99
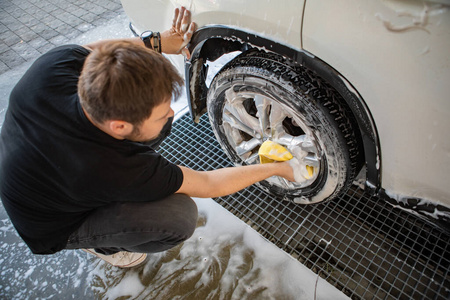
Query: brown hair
124	81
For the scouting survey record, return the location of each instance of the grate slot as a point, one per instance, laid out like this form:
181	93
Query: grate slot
359	243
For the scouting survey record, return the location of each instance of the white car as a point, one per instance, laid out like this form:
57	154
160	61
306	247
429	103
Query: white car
344	85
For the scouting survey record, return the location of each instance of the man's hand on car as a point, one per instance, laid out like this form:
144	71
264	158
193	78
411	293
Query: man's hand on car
174	40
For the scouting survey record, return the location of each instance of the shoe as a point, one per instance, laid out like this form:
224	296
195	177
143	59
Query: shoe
121	259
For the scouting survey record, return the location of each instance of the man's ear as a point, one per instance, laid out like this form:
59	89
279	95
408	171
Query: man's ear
120	128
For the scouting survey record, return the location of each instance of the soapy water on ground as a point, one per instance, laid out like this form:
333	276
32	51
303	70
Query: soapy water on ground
27	276
224	259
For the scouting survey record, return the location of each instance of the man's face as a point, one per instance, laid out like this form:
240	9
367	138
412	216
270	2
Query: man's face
151	127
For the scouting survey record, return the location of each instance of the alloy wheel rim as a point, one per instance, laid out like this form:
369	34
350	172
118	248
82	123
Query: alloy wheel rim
251	117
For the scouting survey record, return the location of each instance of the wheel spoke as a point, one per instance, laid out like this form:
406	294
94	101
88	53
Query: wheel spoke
311	160
285	138
309	145
252	159
306	157
262	105
247	146
277	115
235	107
231	117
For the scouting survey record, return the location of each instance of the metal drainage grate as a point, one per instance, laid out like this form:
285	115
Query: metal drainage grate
359	243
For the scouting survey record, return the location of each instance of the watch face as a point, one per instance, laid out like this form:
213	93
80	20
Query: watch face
146	34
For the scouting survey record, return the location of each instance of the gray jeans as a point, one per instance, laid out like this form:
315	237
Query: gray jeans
145	227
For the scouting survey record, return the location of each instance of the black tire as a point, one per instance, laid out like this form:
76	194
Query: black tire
311	111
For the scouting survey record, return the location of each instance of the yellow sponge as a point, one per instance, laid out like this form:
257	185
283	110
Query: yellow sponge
270	151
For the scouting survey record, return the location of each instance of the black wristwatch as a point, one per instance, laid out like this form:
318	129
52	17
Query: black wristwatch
146	37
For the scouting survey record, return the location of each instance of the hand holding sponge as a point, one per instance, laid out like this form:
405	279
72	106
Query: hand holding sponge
270	152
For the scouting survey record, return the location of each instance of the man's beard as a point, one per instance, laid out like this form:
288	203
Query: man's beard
155	141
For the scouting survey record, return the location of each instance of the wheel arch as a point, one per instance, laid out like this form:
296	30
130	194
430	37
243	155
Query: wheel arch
211	42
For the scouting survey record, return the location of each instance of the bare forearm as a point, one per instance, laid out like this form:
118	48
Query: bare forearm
230	180
227	181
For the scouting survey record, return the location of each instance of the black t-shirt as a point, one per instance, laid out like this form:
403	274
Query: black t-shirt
56	166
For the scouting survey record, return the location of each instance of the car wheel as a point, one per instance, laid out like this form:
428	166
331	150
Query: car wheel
260	96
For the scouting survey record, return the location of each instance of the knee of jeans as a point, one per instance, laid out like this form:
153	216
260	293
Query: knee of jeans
186	220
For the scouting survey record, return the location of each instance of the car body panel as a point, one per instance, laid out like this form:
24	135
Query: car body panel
258	16
397	56
280	25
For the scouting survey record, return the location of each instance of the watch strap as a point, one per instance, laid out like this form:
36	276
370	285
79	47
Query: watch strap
157	42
